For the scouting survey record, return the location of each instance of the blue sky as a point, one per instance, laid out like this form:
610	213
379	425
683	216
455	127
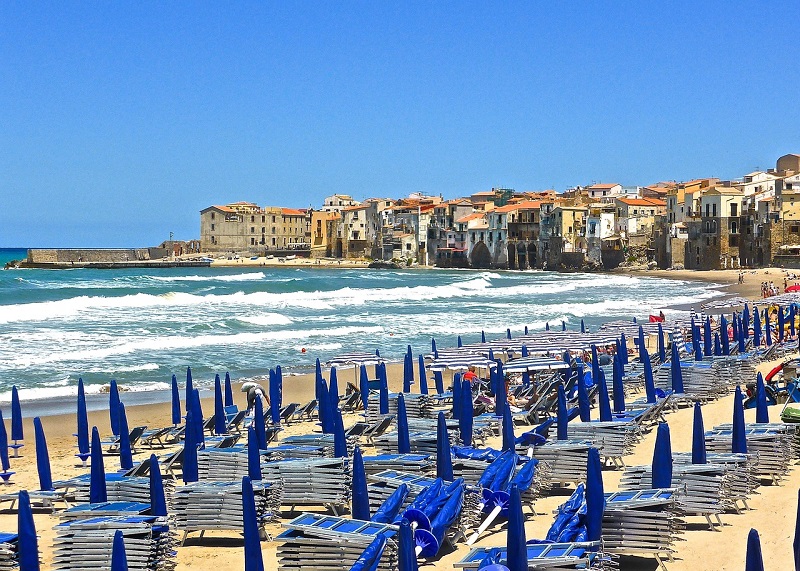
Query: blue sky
120	121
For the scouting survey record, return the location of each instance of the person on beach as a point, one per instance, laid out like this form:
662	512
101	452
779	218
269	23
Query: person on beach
254	391
470	375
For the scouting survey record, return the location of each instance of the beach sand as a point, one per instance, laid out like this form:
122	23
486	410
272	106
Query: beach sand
773	512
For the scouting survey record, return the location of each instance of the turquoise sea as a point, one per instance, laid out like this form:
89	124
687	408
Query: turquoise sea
141	326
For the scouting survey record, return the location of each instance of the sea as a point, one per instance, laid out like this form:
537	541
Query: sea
141	326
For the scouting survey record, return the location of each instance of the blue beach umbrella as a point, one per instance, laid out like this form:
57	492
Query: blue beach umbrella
370	558
423	378
125	452
508	333
746	320
410	375
547	327
158	502
228	390
318	381
595	499
500	395
516	548
457	405
616	381
253	456
756	327
444	458
324	409
508	429
83	423
662	458
220	424
762	414
675	371
97	475
459	343
584	407
465	415
16	416
438	381
724	338
707	336
119	560
260	424
483	336
792	315
430	541
767	327
662	351
433	347
561	419
363	386
563	327
735	325
623	349
190	470
4	446
583	327
602	399
754	560
360	496
491	355
738	436
333	390
197	414
717	346
189	386
113	407
339	438
388	510
176	402
407	557
524	350
253	560
698	350
780	324
276	393
698	436
403	439
526	329
526	379
595	365
649	384
383	401
42	457
27	542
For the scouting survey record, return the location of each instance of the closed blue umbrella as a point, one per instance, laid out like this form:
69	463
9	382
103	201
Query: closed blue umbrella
253	560
197	411
388	510
547	327
125	452
370	558
324	409
333	390
190	471
662	458
623	349
698	436
410	368
276	393
158	502
339	438
459	343
735	325
318	381
561	420
42	457
220	424
259	424
113	407
457	405
595	365
119	560
602	399
363	386
444	459
433	347
524	350
717	346
83	423
762	414
483	336
228	390
403	439
754	561
724	338
792	315
649	384
707	336
698	349
253	456
619	390
27	542
97	476
176	402
16	416
516	548
675	371
756	327
742	335
500	394
738	436
595	499
360	496
526	379
423	378
584	407
780	324
491	355
746	320
429	542
583	327
438	380
662	352
189	386
508	429
508	333
465	416
4	446
407	558
383	401
767	327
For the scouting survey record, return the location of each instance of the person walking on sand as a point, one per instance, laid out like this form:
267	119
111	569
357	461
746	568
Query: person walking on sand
254	391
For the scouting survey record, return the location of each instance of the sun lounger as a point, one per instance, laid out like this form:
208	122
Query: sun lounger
305	412
236	421
157	437
133	436
583	556
323	482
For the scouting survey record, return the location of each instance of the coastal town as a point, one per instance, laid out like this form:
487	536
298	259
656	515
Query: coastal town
701	224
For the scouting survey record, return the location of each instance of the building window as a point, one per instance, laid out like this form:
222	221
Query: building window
252	229
252	241
714	210
212	227
794	229
212	214
734	208
273	241
273	220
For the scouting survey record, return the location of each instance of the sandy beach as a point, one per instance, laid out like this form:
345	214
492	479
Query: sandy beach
773	510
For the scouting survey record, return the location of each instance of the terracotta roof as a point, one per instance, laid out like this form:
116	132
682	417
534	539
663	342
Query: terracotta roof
223	208
468	217
506	208
603	186
292	212
483	193
356	207
642	201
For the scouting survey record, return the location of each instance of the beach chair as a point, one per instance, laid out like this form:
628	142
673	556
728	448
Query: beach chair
156	437
133	436
236	421
351	402
584	555
288	411
378	429
305	412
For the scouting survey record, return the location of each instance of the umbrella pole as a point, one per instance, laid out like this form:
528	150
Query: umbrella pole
485	525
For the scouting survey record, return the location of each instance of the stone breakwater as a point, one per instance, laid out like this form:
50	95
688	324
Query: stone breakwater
105	258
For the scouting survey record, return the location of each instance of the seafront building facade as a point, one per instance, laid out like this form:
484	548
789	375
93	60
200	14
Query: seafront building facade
704	224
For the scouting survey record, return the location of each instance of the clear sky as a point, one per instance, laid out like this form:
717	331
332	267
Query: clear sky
119	121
